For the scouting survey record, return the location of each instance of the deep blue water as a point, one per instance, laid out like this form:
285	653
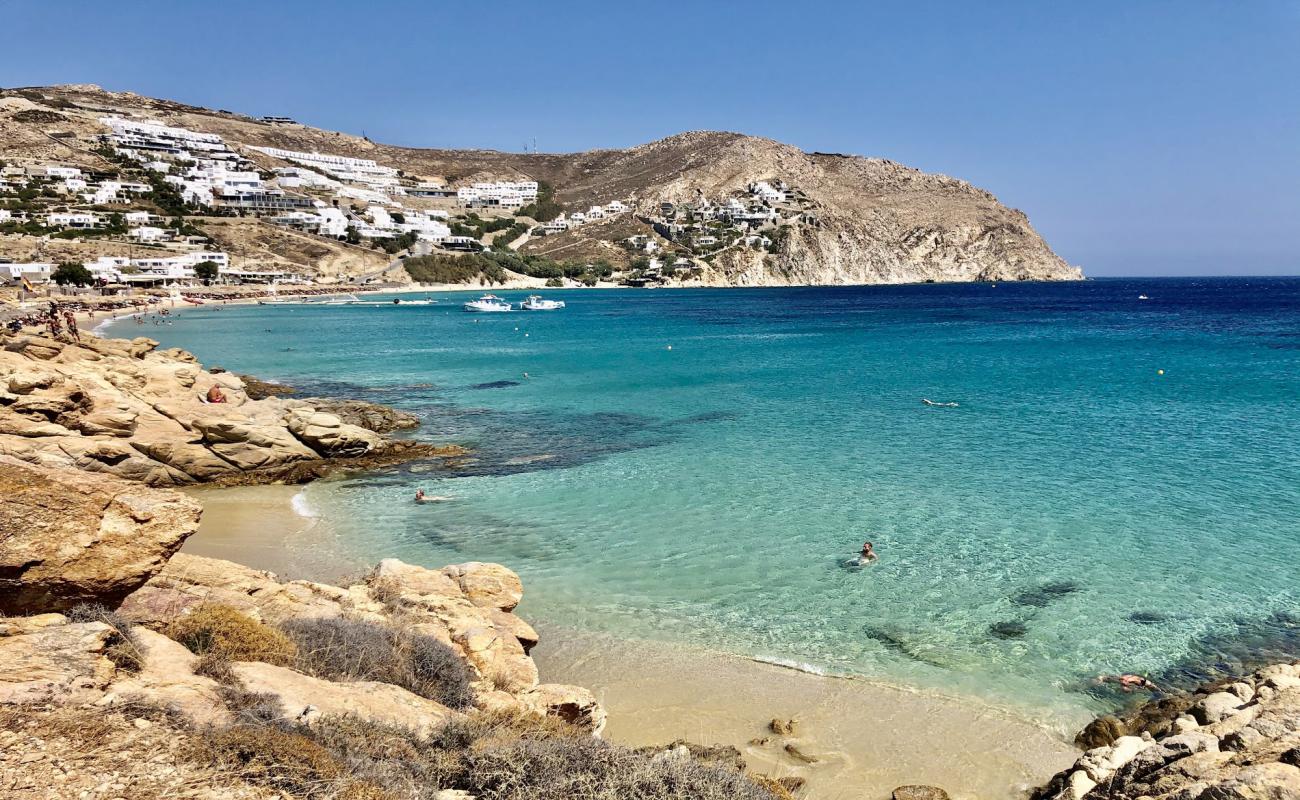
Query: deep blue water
1077	513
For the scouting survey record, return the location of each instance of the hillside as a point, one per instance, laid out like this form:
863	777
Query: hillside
851	220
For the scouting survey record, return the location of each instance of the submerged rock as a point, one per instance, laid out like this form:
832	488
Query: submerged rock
919	792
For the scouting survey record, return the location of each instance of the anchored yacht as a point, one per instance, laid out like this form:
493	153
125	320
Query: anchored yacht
488	303
536	303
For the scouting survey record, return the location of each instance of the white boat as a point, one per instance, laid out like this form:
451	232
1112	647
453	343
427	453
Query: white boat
488	303
1143	297
536	303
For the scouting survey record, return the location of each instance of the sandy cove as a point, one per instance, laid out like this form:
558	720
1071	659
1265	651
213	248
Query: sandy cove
869	737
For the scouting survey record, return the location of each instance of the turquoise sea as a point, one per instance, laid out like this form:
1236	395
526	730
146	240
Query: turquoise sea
696	466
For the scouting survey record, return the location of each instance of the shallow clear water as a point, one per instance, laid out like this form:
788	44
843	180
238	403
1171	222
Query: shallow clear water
696	465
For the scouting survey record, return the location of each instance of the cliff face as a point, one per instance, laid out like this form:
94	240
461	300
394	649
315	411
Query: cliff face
869	220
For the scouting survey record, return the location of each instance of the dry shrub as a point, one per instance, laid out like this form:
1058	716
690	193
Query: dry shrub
123	647
780	788
351	650
504	756
591	769
226	633
269	756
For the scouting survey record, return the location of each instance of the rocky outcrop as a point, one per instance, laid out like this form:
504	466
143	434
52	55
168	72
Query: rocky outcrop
305	699
129	409
1237	740
46	659
69	537
466	606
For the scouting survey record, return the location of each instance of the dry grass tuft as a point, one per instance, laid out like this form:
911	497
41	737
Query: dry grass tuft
269	756
123	648
222	632
349	650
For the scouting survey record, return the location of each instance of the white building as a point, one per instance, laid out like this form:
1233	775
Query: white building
34	272
72	219
147	233
134	218
356	170
508	194
615	207
766	192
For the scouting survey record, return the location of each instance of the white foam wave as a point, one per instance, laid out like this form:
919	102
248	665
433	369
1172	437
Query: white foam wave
798	666
301	507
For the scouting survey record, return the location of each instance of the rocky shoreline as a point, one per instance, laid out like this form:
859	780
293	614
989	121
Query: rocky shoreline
1233	738
132	410
235	683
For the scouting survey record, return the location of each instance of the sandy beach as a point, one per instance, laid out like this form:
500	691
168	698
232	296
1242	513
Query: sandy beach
867	737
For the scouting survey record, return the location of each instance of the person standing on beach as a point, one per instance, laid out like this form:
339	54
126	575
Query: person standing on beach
71	320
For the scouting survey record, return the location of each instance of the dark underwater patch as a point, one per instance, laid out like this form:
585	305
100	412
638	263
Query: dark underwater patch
1148	617
1042	596
897	644
494	385
1010	629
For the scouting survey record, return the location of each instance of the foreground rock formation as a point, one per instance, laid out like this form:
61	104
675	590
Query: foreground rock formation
1232	740
68	538
129	409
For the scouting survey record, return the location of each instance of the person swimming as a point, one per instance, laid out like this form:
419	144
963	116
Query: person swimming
419	495
868	554
1129	682
930	402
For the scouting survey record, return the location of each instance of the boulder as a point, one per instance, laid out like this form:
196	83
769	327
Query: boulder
188	581
329	436
919	792
1216	706
68	538
572	704
487	585
51	661
166	678
304	699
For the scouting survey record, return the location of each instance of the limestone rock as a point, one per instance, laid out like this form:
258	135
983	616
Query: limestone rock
1216	706
68	538
55	662
305	699
487	585
166	678
572	704
329	436
919	792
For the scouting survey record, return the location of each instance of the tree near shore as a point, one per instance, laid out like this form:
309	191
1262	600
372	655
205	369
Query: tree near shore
71	272
206	271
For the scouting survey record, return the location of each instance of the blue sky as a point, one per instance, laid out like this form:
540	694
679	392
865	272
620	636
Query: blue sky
1141	138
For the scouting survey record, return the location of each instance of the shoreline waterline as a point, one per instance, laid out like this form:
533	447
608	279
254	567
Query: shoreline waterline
870	734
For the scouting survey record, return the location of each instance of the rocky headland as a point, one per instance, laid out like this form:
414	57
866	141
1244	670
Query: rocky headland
132	410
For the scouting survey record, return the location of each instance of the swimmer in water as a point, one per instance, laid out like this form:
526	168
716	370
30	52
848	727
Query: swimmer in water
930	402
419	495
1129	682
867	555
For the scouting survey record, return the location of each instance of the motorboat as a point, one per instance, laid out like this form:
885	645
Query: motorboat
401	301
1143	297
488	303
536	303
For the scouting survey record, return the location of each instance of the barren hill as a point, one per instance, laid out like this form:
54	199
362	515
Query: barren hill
859	220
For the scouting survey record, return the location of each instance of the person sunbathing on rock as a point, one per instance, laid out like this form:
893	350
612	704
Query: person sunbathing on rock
215	395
